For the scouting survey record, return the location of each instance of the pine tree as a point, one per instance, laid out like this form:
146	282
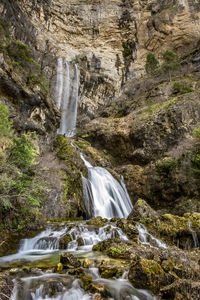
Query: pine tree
152	64
171	62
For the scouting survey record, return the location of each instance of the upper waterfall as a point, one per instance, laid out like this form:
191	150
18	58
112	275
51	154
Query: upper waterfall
67	85
104	195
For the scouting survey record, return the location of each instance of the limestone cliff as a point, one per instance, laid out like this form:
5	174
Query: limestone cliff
109	39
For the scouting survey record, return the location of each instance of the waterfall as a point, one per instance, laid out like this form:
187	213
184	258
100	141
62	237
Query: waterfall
66	98
104	195
194	235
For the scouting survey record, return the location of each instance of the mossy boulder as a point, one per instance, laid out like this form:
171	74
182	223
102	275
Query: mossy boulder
64	241
88	284
147	274
87	263
142	210
80	241
128	227
78	272
97	221
109	269
69	261
115	248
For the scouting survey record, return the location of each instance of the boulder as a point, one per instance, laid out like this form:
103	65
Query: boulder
69	261
142	210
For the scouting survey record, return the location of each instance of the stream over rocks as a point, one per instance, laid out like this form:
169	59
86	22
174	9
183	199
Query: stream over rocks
39	285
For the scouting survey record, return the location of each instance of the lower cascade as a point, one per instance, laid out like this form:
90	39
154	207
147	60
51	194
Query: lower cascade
53	286
66	96
104	195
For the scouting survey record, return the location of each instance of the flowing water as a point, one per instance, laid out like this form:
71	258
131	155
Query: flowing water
104	195
194	235
148	239
66	97
40	285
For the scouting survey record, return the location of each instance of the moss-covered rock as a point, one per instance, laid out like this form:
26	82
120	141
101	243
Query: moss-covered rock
87	263
109	269
69	261
64	241
97	221
147	274
141	210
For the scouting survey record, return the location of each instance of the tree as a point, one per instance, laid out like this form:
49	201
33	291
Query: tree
171	62
152	64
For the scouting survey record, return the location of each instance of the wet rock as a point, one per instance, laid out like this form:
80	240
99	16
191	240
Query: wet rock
87	263
69	261
98	221
182	289
141	210
109	269
147	274
64	241
87	284
80	241
79	272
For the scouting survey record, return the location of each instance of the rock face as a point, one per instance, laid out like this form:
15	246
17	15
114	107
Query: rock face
109	40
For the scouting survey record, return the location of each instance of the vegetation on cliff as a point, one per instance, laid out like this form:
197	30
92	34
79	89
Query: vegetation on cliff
21	190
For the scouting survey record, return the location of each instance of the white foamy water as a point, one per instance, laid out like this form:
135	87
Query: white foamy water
148	239
66	96
91	236
104	195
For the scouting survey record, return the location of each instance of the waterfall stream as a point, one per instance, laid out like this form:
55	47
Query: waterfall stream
39	285
104	195
194	235
66	97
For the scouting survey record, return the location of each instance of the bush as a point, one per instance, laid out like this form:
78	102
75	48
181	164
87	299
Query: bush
181	88
127	49
176	87
196	133
23	152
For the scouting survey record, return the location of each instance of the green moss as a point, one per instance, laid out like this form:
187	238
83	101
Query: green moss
98	221
115	252
165	166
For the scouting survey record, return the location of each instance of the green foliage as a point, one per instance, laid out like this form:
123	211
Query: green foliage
4	29
187	89
179	88
21	190
19	52
23	152
196	133
171	62
19	57
127	49
5	123
152	64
